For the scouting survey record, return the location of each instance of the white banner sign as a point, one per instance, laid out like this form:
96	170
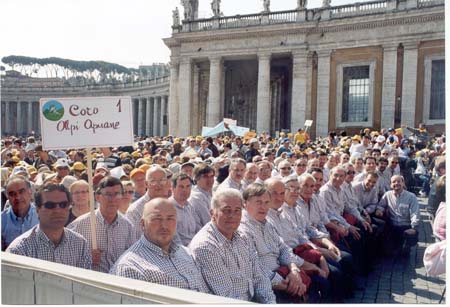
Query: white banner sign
84	122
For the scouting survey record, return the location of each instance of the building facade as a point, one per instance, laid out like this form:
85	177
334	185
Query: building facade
375	64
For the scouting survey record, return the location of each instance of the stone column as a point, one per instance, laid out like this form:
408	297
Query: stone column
298	101
7	118
148	118
323	92
409	84
140	116
195	101
263	100
185	95
215	78
173	98
19	125
30	117
163	113
159	114
389	85
155	115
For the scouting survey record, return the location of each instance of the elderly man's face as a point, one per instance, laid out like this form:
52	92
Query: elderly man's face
157	184
227	216
237	172
19	196
251	173
307	188
337	178
110	199
397	184
258	206
284	168
159	224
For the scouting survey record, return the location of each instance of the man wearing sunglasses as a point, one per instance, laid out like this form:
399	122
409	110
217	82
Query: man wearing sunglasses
21	215
50	240
115	234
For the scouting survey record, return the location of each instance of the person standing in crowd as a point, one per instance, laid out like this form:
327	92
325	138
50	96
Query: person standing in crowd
114	233
79	191
49	239
137	176
21	215
235	176
155	257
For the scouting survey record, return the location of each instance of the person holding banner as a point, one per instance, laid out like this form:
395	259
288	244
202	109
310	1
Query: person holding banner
50	240
115	234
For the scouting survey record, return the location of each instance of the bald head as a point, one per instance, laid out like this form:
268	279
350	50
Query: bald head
159	222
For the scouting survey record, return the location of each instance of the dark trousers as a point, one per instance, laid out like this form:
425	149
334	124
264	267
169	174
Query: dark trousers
397	239
341	276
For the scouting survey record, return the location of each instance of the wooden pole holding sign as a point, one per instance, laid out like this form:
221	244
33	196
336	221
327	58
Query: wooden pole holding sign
91	199
86	122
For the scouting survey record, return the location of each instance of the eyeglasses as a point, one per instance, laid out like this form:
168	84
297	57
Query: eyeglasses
285	168
161	181
80	192
293	190
302	165
394	162
53	205
111	195
131	192
350	172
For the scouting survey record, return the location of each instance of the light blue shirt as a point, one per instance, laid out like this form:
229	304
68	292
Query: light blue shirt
13	226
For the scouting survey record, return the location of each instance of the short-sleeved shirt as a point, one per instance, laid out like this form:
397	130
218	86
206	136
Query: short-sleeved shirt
231	268
72	249
13	226
113	239
146	261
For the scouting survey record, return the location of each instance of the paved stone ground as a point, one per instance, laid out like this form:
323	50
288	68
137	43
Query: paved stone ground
404	280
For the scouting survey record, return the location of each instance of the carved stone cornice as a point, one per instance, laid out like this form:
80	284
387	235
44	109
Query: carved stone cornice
308	28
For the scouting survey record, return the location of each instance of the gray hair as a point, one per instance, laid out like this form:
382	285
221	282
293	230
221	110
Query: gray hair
223	194
289	178
303	177
152	169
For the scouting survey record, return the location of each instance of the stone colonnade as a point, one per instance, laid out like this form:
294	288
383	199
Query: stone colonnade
20	117
150	115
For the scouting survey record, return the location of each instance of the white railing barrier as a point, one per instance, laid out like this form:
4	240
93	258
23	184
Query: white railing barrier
32	281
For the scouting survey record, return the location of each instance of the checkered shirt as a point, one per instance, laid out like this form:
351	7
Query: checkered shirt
311	213
134	213
231	268
148	262
113	239
335	203
272	251
71	250
187	222
201	201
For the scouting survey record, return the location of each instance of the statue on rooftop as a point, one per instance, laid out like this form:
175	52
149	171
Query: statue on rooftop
215	6
175	17
301	4
266	4
326	3
190	9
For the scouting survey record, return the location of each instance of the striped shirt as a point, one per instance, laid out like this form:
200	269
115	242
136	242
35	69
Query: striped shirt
292	222
311	213
112	239
201	201
366	199
231	268
334	199
72	249
187	222
271	249
146	261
